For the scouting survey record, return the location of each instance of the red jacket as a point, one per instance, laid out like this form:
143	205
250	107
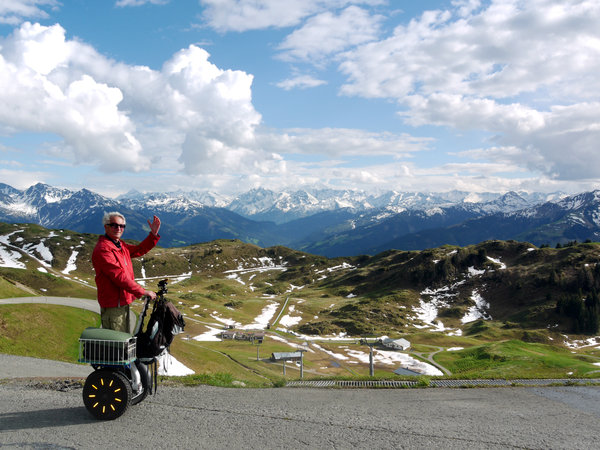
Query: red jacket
114	272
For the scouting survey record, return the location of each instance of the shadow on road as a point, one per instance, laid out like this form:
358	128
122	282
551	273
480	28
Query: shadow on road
44	418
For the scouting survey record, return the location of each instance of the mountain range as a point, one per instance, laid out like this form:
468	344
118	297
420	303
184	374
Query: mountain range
321	221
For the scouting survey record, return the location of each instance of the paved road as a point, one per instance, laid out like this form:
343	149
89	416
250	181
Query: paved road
292	418
90	305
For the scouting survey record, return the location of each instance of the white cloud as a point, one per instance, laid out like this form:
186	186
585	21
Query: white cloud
466	7
125	3
525	72
522	74
243	15
14	11
83	111
300	82
105	110
336	142
567	147
22	179
327	33
561	143
508	49
472	113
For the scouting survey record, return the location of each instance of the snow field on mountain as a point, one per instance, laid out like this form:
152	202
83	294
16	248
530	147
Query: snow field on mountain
427	311
8	257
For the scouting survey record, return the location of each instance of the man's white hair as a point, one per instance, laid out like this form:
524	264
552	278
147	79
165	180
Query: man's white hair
110	215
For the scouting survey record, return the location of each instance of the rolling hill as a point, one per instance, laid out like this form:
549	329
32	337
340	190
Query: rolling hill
440	288
482	298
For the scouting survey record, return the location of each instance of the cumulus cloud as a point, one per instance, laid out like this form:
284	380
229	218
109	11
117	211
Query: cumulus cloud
567	147
465	112
106	111
522	71
403	175
83	111
508	49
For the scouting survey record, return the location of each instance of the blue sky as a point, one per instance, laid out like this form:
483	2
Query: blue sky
229	95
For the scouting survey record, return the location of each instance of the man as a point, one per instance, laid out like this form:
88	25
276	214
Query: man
111	258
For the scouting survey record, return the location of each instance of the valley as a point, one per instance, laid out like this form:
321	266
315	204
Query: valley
503	309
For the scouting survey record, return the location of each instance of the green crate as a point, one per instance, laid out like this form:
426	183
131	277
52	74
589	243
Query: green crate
106	347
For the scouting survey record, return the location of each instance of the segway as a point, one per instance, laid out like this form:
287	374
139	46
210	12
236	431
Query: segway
120	378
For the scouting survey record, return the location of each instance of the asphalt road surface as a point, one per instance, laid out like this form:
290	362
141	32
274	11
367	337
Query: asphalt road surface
50	414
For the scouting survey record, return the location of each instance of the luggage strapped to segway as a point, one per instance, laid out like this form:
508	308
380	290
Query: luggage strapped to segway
164	324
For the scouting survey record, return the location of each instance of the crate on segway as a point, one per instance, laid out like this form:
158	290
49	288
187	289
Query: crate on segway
107	347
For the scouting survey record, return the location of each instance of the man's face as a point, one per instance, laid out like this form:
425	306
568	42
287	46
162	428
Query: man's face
115	228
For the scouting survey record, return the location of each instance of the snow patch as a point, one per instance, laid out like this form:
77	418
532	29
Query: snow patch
262	321
478	311
209	336
71	263
169	366
497	261
288	320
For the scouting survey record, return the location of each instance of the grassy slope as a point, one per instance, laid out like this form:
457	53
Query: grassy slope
373	298
43	331
51	332
517	359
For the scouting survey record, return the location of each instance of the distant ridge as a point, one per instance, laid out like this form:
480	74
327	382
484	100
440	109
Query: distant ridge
320	221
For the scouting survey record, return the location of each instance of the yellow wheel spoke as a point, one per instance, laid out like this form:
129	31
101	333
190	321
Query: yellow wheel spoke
92	396
118	399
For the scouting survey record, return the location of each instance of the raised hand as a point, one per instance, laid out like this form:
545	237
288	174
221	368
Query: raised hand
154	225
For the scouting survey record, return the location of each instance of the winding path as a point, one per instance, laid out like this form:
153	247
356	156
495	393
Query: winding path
429	357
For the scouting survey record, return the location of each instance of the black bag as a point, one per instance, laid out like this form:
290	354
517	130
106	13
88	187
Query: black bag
165	322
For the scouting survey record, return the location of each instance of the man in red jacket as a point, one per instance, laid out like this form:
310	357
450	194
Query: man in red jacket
111	258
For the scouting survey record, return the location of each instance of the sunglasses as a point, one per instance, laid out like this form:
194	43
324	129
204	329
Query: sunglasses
116	225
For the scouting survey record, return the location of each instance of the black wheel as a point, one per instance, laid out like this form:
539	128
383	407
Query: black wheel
106	394
143	369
